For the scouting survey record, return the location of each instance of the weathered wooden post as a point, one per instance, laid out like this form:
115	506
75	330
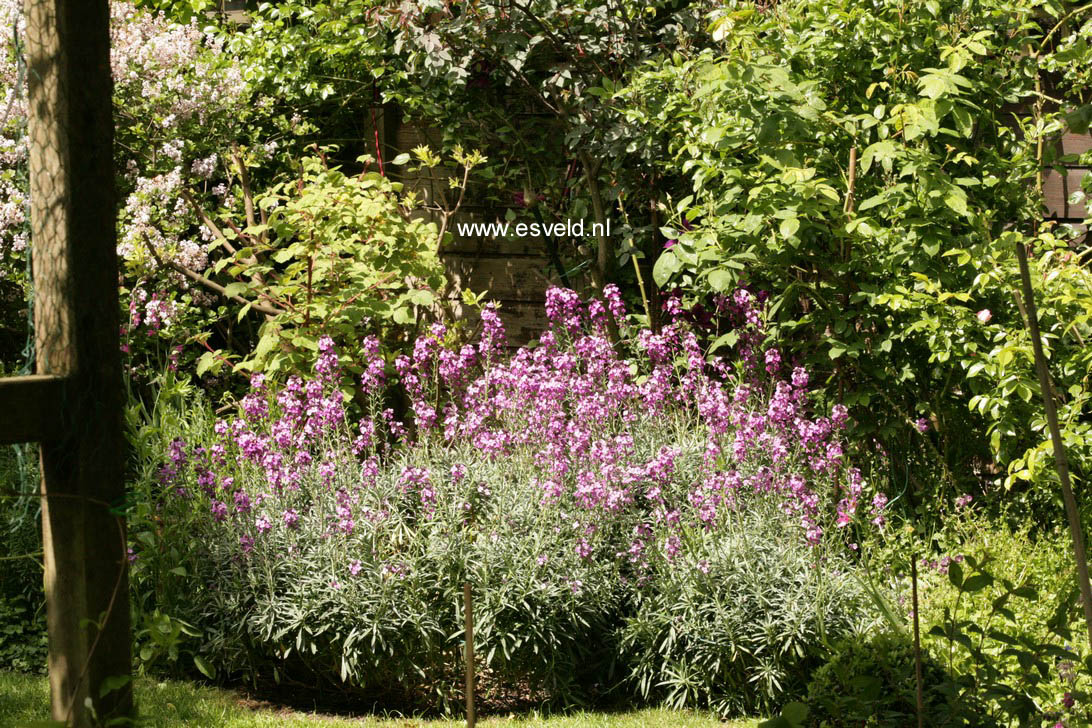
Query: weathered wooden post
74	403
468	656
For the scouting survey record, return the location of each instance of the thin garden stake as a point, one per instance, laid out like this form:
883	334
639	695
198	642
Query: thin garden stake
851	186
918	681
468	616
1061	462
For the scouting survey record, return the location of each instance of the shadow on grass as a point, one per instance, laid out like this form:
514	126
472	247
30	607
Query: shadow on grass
171	704
23	698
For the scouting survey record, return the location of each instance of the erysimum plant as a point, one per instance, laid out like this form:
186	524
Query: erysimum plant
583	493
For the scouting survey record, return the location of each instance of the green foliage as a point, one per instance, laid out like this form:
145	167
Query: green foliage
1003	379
336	255
749	631
22	634
791	716
1002	615
879	292
22	601
871	682
180	10
524	83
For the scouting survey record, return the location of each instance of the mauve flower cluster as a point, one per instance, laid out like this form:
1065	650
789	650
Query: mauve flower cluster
154	312
629	452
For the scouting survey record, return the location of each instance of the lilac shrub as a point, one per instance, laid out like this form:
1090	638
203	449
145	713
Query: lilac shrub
593	499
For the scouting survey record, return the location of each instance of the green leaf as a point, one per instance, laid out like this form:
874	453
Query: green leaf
957	201
1079	119
235	289
421	297
1025	592
796	713
883	151
712	135
206	669
777	722
964	121
978	582
955	574
206	362
789	226
872	202
724	340
666	266
721	280
112	683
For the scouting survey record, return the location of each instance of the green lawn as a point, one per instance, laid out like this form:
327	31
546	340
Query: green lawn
25	698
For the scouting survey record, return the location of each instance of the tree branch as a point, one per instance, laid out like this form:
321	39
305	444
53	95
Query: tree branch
244	180
211	285
215	230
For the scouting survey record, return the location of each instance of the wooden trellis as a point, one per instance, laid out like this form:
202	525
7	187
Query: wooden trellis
73	404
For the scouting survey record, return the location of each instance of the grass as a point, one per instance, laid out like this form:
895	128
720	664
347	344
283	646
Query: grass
167	704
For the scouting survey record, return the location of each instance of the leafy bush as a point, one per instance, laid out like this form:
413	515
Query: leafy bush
22	600
745	620
1000	611
892	282
871	682
332	255
23	640
566	483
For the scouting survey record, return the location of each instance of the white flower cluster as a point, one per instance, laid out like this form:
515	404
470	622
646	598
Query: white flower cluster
204	168
13	150
176	67
13	235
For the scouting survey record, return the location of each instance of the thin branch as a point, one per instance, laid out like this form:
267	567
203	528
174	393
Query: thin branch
208	222
244	180
211	285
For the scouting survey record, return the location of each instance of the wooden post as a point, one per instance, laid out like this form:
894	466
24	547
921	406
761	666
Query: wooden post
73	211
468	623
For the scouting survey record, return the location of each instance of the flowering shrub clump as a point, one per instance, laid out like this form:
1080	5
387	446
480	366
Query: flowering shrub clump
596	502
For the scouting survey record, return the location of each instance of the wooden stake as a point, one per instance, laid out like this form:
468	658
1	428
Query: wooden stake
74	251
1061	462
851	192
851	188
468	623
918	681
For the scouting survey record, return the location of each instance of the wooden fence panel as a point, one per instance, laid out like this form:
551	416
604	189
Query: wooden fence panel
1058	187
